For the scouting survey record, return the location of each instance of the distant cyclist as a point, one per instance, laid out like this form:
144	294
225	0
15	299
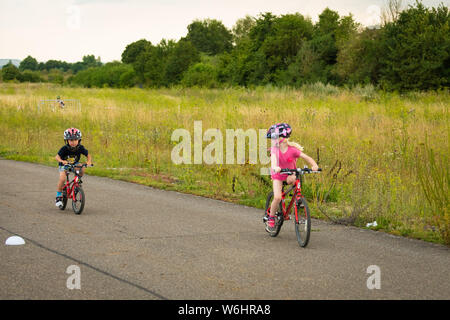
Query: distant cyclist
283	155
60	102
71	151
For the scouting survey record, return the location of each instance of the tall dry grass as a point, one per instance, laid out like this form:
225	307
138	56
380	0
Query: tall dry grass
369	143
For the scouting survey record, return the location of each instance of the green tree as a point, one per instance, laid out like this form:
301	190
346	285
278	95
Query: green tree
358	60
10	72
127	79
324	38
262	29
113	74
316	61
56	76
55	64
241	29
290	32
308	67
180	58
29	63
200	75
90	61
151	64
209	36
77	67
416	49
30	76
133	50
257	66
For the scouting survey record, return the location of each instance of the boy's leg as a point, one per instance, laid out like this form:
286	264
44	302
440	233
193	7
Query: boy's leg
61	181
81	169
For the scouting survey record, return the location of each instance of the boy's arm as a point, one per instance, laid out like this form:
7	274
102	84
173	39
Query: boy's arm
58	158
310	161
89	159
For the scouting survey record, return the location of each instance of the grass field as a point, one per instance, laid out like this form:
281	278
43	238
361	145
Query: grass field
384	155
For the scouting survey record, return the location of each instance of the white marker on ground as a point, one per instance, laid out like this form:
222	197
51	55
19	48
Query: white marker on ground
14	241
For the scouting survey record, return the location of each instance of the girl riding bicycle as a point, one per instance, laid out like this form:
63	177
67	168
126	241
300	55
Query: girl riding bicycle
284	155
72	150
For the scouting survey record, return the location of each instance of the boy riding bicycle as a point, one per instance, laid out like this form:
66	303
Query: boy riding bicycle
72	150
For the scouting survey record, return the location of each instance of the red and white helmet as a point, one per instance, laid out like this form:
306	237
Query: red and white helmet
72	134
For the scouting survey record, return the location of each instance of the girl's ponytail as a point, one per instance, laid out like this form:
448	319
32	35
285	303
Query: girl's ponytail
294	144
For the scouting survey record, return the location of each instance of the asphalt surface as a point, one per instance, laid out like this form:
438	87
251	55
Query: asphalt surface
136	242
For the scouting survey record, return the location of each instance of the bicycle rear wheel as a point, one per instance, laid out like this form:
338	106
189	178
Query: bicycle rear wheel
302	222
78	203
278	221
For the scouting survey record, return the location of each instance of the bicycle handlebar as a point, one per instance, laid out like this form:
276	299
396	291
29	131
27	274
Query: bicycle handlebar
70	166
299	170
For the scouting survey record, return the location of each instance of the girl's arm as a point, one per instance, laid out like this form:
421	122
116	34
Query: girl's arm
310	161
274	163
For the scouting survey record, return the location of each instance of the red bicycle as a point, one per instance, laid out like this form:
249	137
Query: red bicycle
72	189
302	220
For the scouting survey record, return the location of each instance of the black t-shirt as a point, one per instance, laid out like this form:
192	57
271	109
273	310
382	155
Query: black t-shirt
72	156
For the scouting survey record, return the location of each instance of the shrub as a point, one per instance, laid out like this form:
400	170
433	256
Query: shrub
201	75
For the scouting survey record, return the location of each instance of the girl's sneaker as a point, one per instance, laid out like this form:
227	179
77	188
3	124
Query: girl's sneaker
271	222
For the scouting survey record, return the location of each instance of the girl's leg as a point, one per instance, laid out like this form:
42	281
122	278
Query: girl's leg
291	179
277	189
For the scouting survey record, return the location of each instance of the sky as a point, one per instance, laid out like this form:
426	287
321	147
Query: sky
69	29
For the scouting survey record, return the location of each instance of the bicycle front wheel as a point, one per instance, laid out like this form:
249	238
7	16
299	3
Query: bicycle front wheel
78	203
302	222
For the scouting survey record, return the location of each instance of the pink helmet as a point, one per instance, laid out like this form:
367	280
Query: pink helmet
279	130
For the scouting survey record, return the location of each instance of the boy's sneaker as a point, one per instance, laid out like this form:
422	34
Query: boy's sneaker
59	201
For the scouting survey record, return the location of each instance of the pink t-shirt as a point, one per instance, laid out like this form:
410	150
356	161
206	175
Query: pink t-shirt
286	160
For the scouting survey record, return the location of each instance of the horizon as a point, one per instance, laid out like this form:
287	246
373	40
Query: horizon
70	29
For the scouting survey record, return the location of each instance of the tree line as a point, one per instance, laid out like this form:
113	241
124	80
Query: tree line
30	70
410	50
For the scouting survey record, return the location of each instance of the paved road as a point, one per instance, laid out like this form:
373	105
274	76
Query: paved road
136	242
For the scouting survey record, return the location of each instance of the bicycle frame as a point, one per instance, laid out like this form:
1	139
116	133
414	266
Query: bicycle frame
71	185
296	196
